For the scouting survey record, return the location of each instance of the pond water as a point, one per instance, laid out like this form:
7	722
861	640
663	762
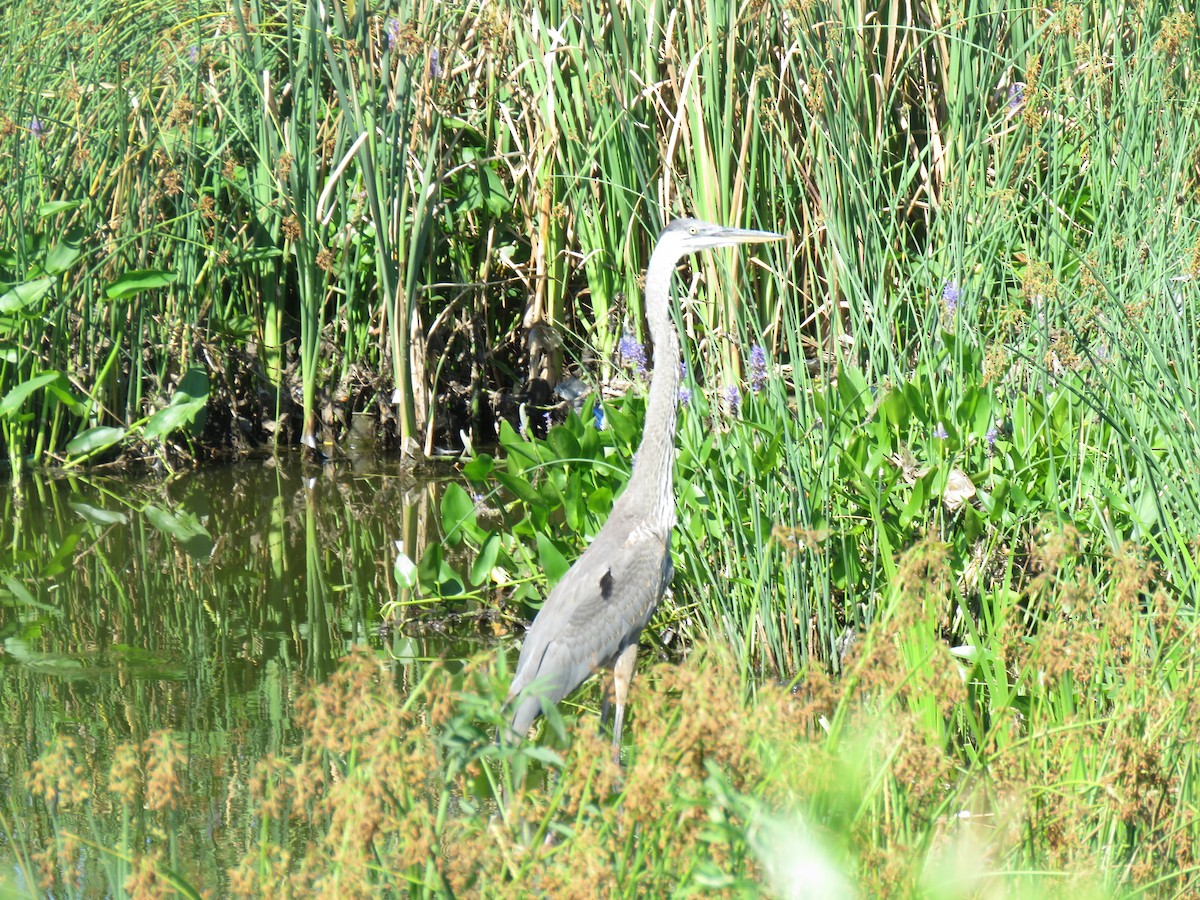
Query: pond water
202	606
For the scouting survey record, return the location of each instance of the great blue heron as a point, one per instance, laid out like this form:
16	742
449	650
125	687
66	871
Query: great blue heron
594	615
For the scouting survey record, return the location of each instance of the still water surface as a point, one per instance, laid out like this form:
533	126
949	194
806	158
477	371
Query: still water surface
202	606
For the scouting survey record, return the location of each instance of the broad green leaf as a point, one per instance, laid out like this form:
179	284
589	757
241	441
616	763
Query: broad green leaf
94	439
405	571
1145	510
481	569
18	591
518	486
63	557
62	256
15	398
138	280
99	516
181	412
553	563
258	254
54	207
184	527
61	388
480	468
22	295
239	326
495	198
458	512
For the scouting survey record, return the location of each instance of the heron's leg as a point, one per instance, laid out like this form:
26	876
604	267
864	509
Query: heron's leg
622	676
605	701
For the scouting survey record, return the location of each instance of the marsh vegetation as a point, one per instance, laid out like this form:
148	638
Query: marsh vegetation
934	611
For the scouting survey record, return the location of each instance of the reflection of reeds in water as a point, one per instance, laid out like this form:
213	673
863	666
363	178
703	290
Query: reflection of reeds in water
109	816
919	770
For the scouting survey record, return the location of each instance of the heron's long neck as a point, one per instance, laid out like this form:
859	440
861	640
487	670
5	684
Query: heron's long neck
651	481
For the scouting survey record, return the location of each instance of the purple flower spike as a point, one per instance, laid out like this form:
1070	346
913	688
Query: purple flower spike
940	432
734	398
950	295
633	353
758	368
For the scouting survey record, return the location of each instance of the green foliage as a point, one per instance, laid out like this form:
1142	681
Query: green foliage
966	487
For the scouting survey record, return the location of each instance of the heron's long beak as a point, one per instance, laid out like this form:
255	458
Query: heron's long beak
745	236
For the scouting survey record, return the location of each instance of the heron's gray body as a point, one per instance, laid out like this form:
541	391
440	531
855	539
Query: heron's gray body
595	614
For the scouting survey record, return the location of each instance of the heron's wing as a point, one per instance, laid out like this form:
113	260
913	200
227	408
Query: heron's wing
599	606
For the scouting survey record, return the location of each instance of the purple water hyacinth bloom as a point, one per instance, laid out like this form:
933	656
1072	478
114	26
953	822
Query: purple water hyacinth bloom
758	368
685	396
633	353
36	128
393	33
990	437
950	295
435	70
734	398
193	54
940	432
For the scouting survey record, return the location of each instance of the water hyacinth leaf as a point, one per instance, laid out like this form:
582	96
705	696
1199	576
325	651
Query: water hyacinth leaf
131	283
481	569
518	486
54	207
64	556
94	440
184	527
15	398
495	197
61	388
405	650
98	516
404	570
516	448
194	384
458	513
63	255
572	497
600	500
183	410
1145	511
239	326
564	444
258	254
481	187
16	591
553	563
17	298
480	468
916	502
621	424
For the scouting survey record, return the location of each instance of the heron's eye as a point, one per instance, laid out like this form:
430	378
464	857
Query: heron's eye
692	230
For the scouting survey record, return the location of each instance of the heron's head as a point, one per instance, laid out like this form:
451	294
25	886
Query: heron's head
690	235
